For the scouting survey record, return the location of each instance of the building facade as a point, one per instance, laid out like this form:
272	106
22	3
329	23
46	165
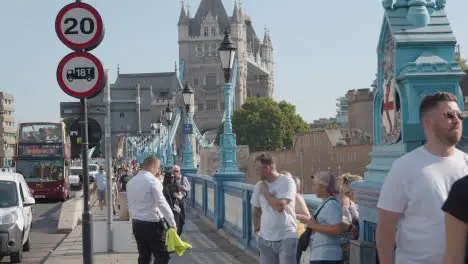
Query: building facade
137	100
7	129
360	110
199	39
342	111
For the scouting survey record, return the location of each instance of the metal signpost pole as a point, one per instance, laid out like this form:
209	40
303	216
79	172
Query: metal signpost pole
87	218
108	156
81	75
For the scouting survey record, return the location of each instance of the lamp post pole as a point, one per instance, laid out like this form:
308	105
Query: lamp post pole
5	159
188	150
169	155
159	127
227	53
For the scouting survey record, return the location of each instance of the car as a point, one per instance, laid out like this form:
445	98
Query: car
93	170
76	177
16	212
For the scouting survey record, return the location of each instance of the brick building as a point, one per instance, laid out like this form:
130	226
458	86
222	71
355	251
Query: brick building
317	151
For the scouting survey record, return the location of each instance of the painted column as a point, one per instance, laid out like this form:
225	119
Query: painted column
411	65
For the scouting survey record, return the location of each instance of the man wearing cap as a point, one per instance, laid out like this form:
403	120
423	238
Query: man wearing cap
101	182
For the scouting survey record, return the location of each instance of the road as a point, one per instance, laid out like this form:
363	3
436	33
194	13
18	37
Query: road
44	236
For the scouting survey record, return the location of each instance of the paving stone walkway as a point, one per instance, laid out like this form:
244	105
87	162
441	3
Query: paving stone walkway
208	247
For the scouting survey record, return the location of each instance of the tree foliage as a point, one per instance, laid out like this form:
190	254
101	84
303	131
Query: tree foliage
462	62
264	124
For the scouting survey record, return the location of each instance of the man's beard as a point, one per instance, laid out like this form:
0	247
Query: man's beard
447	138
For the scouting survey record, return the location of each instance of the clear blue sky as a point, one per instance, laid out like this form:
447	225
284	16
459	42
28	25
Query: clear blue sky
322	48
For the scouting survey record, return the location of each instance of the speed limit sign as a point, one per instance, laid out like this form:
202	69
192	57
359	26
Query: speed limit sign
79	26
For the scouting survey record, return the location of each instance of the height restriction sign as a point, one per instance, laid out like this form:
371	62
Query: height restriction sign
79	26
80	75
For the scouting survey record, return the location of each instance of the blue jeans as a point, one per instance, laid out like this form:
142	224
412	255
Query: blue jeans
277	252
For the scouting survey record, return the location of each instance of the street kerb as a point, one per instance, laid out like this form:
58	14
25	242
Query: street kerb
71	212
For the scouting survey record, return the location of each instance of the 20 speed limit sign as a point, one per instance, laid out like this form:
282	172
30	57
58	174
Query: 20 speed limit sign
81	75
79	26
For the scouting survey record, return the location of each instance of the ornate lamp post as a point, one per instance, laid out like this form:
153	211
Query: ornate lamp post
5	151
227	53
169	155
158	133
189	98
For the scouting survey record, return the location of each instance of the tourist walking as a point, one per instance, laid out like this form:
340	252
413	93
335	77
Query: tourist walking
274	217
417	185
184	186
148	210
173	196
100	181
456	223
300	209
325	242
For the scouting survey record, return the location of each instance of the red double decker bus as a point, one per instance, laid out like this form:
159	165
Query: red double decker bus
43	158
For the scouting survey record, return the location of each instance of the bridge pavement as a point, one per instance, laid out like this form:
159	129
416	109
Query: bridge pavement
208	247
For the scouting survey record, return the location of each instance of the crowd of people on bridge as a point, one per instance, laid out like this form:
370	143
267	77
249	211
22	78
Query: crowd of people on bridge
155	199
422	215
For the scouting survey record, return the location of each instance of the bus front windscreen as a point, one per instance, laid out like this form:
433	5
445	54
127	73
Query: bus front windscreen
40	132
40	170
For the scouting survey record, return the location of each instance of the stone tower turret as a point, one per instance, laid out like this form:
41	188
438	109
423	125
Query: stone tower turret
268	61
183	24
199	39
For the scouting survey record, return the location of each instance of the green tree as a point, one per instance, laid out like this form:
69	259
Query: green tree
333	126
264	124
462	62
68	122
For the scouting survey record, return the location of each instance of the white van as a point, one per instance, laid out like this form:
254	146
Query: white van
16	206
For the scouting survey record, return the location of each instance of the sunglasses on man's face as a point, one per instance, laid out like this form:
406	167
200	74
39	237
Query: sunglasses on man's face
453	113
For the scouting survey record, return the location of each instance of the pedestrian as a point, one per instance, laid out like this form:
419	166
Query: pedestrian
101	181
325	246
274	218
300	209
115	195
173	196
417	185
148	210
456	223
185	188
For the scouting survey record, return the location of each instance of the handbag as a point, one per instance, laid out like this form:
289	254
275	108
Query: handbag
304	240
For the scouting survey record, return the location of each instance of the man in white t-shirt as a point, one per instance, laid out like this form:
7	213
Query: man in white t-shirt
418	184
274	217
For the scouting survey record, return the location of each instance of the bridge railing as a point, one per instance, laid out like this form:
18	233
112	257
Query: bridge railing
235	218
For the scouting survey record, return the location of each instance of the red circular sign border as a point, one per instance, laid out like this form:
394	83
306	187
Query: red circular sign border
100	80
94	42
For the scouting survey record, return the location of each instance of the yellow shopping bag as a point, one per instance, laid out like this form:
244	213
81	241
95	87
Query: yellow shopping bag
174	243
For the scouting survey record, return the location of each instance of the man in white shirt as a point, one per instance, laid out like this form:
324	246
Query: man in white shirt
274	217
148	208
418	184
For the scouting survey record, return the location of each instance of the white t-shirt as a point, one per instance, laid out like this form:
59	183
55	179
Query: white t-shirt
416	186
276	226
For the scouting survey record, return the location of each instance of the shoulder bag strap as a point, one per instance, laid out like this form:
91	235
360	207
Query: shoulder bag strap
320	208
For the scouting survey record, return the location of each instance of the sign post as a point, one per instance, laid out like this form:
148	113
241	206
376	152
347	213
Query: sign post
80	74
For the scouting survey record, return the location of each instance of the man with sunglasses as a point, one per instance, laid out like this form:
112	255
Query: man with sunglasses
417	185
184	186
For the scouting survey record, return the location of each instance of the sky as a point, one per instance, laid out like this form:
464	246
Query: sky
322	48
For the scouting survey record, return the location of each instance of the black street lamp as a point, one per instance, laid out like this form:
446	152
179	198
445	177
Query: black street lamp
168	115
227	52
188	95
